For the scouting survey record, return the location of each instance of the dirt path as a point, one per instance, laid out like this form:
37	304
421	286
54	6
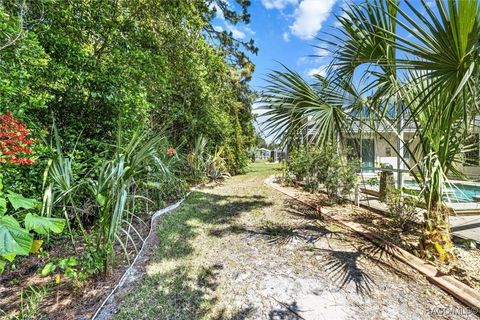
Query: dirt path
240	250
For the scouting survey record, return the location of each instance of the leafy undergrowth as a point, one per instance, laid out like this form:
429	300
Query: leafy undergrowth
27	294
240	250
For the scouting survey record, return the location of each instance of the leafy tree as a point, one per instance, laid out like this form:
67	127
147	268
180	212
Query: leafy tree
101	67
428	79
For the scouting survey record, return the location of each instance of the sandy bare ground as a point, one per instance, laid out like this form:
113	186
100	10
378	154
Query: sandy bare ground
240	250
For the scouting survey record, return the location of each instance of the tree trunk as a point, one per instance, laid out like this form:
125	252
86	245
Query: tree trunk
436	241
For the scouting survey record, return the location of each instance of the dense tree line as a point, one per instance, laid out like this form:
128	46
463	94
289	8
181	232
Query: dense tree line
99	67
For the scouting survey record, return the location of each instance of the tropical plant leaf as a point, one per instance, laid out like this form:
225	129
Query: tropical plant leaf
18	201
3	205
9	257
36	245
13	238
44	225
68	262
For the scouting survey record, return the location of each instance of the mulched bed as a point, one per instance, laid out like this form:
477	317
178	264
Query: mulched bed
465	269
24	289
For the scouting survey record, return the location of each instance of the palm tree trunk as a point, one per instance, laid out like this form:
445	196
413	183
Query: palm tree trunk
436	241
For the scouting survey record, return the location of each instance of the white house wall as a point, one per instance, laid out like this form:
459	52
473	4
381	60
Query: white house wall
381	150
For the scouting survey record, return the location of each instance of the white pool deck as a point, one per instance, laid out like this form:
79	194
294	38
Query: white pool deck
459	208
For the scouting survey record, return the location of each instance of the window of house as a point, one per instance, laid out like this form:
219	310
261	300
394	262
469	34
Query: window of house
406	147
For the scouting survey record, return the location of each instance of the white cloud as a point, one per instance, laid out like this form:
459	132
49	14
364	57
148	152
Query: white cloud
236	33
321	52
248	30
278	4
309	17
321	70
218	28
286	37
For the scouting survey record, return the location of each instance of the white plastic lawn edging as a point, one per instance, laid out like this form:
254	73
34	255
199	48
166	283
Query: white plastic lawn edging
124	277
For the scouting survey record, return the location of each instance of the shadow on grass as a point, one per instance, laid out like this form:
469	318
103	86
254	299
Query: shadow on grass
241	314
200	211
343	266
283	234
185	292
175	294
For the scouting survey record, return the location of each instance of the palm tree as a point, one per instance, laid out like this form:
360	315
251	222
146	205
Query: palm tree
418	66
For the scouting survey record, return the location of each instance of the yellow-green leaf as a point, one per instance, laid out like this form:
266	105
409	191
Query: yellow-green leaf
9	257
36	245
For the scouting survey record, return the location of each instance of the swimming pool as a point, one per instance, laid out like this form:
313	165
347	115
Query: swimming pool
456	192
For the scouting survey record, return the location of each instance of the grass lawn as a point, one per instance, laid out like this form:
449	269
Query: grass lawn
240	250
181	277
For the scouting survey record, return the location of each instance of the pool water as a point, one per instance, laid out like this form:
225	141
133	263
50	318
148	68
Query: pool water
466	192
458	192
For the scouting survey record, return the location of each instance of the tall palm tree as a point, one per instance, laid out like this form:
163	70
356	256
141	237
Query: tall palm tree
420	65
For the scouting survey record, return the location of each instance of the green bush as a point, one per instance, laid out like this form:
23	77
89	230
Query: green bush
325	168
140	168
166	191
402	209
299	163
102	76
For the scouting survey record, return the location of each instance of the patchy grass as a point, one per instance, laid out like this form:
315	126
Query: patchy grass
240	250
183	274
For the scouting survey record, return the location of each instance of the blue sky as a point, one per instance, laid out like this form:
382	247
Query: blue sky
286	31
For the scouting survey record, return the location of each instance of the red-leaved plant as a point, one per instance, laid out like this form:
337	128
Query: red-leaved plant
14	143
18	239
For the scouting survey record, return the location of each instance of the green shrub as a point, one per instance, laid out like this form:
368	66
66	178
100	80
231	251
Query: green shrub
372	181
166	190
325	168
217	166
402	209
18	238
286	177
137	170
298	163
115	190
340	178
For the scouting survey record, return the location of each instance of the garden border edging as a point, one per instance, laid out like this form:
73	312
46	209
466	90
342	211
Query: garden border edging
128	273
449	284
